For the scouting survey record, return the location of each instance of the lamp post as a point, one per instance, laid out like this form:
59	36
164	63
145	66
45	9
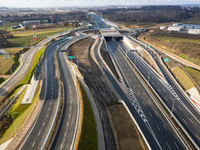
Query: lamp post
172	107
14	121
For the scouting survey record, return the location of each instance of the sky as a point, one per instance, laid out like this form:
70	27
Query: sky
79	3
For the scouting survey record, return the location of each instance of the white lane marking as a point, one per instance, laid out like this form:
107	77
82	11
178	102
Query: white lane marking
43	124
184	121
153	83
46	115
67	123
144	93
150	114
166	98
52	92
144	103
156	113
149	102
65	133
168	145
191	121
139	85
158	90
176	145
138	93
70	108
158	127
61	145
179	108
164	90
51	97
33	144
69	115
50	102
197	137
134	86
49	108
164	127
38	133
52	88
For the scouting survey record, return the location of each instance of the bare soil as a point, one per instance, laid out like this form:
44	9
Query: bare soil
126	132
112	113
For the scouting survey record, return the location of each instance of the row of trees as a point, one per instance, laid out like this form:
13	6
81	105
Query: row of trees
158	14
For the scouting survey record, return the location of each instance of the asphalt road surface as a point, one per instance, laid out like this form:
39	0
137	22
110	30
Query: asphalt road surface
68	125
184	112
163	132
40	131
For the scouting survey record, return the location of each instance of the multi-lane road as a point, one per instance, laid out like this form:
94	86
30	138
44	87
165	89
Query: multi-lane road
99	23
68	124
170	94
39	133
164	136
65	136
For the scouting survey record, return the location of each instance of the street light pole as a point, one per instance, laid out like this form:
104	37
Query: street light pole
172	107
14	121
148	76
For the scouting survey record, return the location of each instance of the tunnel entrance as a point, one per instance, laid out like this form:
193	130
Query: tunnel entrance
119	38
108	38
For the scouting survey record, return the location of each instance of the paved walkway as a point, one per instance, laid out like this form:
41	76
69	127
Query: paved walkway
194	95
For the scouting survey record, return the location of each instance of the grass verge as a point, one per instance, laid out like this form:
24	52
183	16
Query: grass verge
183	78
27	79
195	74
2	80
88	139
22	109
23	112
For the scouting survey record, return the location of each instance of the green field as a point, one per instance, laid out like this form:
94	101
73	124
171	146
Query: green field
193	22
174	40
88	139
195	74
25	39
7	26
183	78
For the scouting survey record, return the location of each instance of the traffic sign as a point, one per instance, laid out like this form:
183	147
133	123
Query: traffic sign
70	57
69	38
166	59
148	45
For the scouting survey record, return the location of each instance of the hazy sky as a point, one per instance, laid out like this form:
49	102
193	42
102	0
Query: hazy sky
65	3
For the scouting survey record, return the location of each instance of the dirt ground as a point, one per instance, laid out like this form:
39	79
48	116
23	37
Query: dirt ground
106	102
126	133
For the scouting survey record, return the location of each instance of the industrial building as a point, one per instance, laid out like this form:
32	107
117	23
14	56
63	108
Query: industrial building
182	28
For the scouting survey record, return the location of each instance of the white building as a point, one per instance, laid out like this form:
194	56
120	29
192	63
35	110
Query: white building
175	29
194	31
163	28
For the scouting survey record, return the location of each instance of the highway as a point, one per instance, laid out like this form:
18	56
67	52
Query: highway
182	110
40	131
20	73
68	125
99	22
164	133
152	123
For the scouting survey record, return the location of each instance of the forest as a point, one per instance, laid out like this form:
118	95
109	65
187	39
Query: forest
157	14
